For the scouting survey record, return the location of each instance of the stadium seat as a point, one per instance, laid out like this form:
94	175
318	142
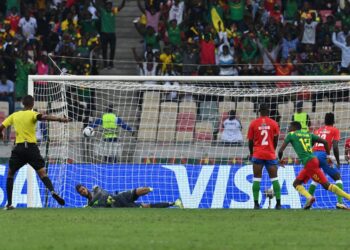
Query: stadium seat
185	127
74	130
209	112
184	136
204	131
225	107
323	108
57	131
41	106
286	111
149	123
307	107
147	134
167	122
188	107
245	110
58	105
151	96
186	122
150	105
342	116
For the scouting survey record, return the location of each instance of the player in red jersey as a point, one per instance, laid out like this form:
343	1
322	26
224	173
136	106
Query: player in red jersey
332	136
263	137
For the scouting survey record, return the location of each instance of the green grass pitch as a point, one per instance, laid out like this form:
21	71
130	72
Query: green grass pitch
173	229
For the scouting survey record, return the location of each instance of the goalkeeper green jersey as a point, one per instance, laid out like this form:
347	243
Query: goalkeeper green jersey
302	143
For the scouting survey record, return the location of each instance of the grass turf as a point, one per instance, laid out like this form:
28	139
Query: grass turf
173	229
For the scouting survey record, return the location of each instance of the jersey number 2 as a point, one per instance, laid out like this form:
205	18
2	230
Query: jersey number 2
265	134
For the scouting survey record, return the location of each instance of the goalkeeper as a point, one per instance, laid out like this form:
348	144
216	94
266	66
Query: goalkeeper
100	198
302	142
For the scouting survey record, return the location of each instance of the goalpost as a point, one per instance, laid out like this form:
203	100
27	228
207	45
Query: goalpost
177	143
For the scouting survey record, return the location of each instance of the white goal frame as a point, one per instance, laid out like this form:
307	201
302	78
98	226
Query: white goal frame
31	175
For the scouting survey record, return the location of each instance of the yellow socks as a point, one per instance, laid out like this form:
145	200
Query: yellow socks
335	189
303	191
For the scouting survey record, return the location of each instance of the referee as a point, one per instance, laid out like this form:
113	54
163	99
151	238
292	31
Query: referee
26	150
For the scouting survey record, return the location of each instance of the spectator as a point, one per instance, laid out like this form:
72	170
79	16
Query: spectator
166	58
301	117
226	62
174	34
190	59
24	67
152	12
7	91
268	65
207	50
13	18
28	26
232	133
108	35
148	67
343	34
235	13
291	10
309	31
176	11
345	51
283	68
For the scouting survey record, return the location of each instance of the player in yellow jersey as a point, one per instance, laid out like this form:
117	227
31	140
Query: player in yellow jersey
26	149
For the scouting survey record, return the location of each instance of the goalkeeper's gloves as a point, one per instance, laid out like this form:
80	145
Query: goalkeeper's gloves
110	200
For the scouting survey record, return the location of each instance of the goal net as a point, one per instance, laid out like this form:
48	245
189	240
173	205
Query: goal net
173	134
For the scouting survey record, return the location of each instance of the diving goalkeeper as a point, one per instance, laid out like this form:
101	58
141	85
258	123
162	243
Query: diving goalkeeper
100	198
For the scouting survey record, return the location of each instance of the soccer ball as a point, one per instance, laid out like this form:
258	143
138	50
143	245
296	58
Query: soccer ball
88	132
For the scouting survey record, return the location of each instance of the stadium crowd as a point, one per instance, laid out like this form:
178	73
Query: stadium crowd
243	37
198	37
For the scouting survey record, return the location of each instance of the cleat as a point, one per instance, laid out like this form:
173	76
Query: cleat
178	203
278	207
256	206
309	203
150	189
58	198
341	206
9	207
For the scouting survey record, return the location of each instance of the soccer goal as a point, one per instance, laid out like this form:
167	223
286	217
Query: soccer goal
183	136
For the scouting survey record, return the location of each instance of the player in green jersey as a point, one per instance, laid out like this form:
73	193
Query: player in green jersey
302	143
